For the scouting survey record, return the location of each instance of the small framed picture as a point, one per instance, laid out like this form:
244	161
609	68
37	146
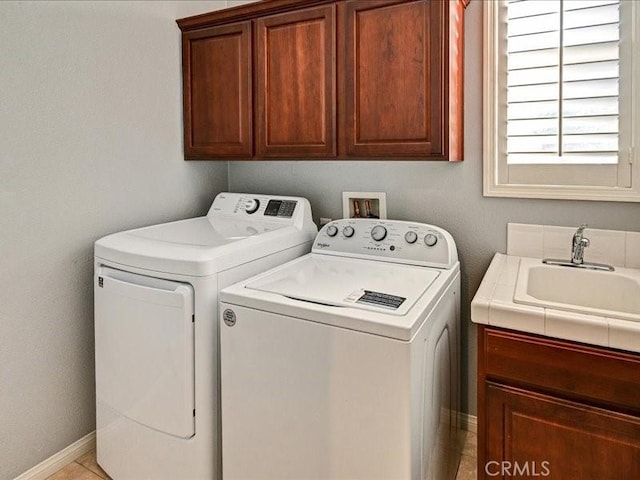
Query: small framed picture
364	205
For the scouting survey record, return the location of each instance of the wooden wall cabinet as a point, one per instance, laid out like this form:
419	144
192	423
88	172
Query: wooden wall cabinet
398	76
217	92
296	84
325	79
556	409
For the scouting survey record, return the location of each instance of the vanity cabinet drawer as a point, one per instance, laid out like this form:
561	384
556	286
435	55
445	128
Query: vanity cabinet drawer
596	375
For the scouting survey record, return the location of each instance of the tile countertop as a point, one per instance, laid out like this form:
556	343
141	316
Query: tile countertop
493	305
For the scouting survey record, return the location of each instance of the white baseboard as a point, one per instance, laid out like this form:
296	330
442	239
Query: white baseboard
64	457
469	422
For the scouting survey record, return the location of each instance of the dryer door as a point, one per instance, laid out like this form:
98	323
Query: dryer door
144	350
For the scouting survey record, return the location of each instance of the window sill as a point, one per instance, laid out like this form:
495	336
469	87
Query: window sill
562	192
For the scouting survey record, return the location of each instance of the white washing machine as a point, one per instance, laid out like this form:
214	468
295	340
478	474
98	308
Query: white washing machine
156	330
343	364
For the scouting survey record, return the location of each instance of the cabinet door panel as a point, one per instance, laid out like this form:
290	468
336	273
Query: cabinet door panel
393	78
580	372
217	92
295	70
536	433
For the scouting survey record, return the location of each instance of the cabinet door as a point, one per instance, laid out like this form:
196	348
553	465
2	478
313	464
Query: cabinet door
393	78
295	82
530	435
217	92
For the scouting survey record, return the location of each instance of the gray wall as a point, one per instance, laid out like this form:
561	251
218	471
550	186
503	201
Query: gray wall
449	195
90	143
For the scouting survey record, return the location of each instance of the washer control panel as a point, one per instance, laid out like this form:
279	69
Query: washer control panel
253	206
266	210
388	240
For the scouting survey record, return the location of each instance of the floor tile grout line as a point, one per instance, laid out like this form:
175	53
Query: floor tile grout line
94	472
87	468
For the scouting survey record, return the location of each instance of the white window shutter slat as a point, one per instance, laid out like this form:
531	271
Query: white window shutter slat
562	81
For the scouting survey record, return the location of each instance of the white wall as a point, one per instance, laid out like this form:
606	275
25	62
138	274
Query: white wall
449	195
90	143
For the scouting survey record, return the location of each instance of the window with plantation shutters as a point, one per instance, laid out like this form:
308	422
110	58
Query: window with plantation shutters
560	98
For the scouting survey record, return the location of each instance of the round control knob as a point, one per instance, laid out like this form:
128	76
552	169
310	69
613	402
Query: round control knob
378	233
251	205
348	231
411	237
430	239
332	230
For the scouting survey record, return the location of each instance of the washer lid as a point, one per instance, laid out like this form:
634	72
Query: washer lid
201	232
239	228
198	247
345	282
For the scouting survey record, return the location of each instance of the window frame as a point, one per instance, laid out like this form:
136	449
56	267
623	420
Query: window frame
494	158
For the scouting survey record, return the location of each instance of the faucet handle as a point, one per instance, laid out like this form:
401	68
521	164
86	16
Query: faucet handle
578	236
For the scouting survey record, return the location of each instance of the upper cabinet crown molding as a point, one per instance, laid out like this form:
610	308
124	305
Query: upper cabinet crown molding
246	12
354	79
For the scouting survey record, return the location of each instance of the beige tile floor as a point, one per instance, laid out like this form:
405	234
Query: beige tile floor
468	464
86	467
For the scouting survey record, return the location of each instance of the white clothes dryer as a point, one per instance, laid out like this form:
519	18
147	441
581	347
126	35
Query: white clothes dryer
156	330
344	363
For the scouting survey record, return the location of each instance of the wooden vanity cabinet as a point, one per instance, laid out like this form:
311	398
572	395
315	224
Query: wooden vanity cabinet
330	78
556	409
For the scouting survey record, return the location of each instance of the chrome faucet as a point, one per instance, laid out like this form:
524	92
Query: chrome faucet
578	245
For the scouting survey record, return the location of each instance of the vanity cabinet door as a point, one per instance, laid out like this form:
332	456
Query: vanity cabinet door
574	406
393	78
296	84
217	89
530	435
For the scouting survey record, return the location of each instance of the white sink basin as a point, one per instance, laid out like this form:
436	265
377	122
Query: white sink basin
609	294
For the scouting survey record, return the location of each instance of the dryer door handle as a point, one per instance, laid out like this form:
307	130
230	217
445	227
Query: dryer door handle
146	289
